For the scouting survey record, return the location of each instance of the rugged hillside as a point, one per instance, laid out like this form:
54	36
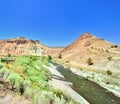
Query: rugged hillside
88	45
23	46
77	53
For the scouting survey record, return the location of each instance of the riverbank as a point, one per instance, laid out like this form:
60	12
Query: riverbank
59	82
99	79
91	91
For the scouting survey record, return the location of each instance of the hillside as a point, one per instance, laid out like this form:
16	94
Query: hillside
23	46
77	53
95	59
88	45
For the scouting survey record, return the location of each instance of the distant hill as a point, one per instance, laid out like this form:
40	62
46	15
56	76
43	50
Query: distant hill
90	46
23	46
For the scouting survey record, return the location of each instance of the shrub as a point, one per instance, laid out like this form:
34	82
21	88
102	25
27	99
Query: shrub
9	55
5	72
1	66
112	46
49	57
115	46
89	61
58	93
33	83
34	58
60	56
40	97
29	93
109	58
15	80
107	50
109	72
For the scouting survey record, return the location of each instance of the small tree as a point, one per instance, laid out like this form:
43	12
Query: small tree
49	57
89	61
115	46
109	58
9	55
60	56
109	72
112	46
107	50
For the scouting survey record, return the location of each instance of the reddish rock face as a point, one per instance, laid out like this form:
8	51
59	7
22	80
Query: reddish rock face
85	36
83	41
21	46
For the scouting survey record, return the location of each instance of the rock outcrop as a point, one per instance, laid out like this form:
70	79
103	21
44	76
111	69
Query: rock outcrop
21	46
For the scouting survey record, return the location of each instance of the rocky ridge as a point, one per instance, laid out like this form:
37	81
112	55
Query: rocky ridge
23	46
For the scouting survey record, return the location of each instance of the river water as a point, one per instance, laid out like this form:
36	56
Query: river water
91	91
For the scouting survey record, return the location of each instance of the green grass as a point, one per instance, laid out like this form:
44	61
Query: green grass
30	78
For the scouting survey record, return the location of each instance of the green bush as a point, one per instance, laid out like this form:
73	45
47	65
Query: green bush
109	58
107	50
29	93
49	57
89	61
9	55
29	77
115	46
5	72
109	72
58	93
1	66
60	56
34	58
40	98
15	80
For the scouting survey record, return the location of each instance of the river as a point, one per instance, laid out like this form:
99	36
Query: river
92	92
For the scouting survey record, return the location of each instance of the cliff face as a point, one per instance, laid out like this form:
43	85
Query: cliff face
21	46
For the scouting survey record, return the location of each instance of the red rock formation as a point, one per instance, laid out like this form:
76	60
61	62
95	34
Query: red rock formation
20	46
23	46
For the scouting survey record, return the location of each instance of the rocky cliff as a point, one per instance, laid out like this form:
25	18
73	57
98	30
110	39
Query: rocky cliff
21	46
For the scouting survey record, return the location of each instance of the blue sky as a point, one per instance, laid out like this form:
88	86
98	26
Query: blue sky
60	22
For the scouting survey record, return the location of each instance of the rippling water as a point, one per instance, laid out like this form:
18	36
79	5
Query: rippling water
91	91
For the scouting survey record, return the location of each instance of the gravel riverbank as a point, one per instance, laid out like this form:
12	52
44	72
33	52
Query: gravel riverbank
99	79
58	82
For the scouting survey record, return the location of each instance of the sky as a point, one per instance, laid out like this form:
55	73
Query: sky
60	22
